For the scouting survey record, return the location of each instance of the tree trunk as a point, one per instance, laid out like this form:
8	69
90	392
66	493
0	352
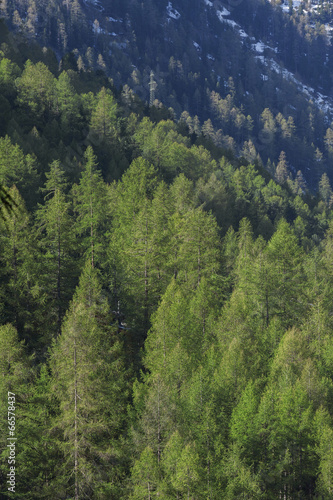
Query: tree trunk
146	312
58	282
91	233
75	429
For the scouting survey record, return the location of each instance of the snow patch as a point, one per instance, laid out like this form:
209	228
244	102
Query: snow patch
207	2
173	13
260	47
323	102
196	45
221	13
232	23
243	34
224	12
95	3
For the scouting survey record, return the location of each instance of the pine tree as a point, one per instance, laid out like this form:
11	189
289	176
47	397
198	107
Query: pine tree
325	452
145	477
281	173
90	380
325	189
91	208
55	226
103	118
285	275
188	472
67	102
19	288
19	169
204	422
140	221
36	89
16	374
197	246
40	454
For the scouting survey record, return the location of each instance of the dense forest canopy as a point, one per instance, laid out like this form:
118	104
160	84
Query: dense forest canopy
254	73
165	285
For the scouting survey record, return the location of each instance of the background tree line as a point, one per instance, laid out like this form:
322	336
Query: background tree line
165	306
213	74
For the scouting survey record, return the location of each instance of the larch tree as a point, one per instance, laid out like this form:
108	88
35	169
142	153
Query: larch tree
36	89
16	374
104	115
90	379
66	100
140	225
55	227
91	208
19	289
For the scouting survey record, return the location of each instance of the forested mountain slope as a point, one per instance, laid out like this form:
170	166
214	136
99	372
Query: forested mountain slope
258	70
165	297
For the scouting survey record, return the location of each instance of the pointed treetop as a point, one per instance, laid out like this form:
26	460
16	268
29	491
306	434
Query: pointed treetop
56	180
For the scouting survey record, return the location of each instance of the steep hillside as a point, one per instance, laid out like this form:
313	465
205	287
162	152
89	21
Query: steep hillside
253	75
165	302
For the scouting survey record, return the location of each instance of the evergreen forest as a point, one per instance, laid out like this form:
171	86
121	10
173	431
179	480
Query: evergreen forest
166	291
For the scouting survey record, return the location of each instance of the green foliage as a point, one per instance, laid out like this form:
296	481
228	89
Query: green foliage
103	118
36	89
19	169
16	374
18	269
89	377
90	207
55	227
203	280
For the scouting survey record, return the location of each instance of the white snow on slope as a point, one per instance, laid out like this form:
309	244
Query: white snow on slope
323	102
221	13
260	47
224	12
96	3
173	13
257	47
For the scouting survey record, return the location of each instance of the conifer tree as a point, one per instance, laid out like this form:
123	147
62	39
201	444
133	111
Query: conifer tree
197	246
91	208
325	452
281	173
19	169
325	189
103	118
145	477
40	454
36	89
140	225
16	374
19	287
90	380
67	101
55	226
285	274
